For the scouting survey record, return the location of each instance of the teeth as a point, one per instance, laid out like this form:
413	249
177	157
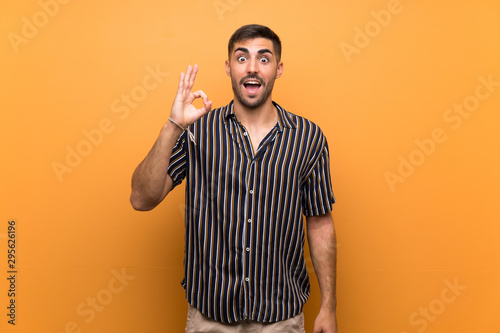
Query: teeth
252	82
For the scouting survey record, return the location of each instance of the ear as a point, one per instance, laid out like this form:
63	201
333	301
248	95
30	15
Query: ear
228	68
279	70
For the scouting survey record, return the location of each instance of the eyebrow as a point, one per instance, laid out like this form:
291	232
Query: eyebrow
244	49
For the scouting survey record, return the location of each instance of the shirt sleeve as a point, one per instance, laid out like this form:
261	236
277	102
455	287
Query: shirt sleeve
178	159
317	193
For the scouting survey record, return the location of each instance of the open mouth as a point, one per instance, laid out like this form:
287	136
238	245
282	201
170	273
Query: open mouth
252	86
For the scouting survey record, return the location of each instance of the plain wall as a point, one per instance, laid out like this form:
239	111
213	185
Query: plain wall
407	93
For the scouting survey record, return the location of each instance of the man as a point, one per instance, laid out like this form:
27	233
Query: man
252	170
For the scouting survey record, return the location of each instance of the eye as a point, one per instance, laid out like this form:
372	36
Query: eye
264	60
241	58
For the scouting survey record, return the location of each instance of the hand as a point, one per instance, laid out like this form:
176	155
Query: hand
326	322
183	110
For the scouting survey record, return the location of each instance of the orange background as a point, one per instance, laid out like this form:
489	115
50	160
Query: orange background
376	84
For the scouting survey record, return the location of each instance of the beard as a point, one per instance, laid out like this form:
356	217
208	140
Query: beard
256	101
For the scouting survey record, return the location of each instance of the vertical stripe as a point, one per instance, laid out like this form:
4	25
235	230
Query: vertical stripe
244	214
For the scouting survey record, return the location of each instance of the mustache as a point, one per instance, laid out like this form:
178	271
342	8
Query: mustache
252	77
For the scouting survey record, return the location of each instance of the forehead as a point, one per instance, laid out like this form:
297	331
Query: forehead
255	45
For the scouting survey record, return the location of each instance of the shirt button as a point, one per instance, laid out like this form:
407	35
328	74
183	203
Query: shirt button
251	191
249	220
248	249
245	133
247	279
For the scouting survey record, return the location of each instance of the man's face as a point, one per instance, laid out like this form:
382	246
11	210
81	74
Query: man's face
253	67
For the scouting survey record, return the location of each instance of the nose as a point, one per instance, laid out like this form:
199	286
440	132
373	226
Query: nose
252	67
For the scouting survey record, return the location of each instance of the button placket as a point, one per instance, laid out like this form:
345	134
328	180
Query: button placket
247	251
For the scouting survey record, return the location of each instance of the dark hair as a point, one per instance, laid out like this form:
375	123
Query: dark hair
252	31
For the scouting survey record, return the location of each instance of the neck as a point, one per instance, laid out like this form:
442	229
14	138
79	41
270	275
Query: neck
262	116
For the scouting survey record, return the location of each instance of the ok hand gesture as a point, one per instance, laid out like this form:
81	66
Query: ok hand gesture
183	111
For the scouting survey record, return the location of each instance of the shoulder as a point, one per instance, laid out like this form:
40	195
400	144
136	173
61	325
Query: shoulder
304	132
304	127
304	122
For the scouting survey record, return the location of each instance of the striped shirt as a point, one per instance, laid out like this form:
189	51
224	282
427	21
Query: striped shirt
244	255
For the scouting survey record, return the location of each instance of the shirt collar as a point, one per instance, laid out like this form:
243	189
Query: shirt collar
284	119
